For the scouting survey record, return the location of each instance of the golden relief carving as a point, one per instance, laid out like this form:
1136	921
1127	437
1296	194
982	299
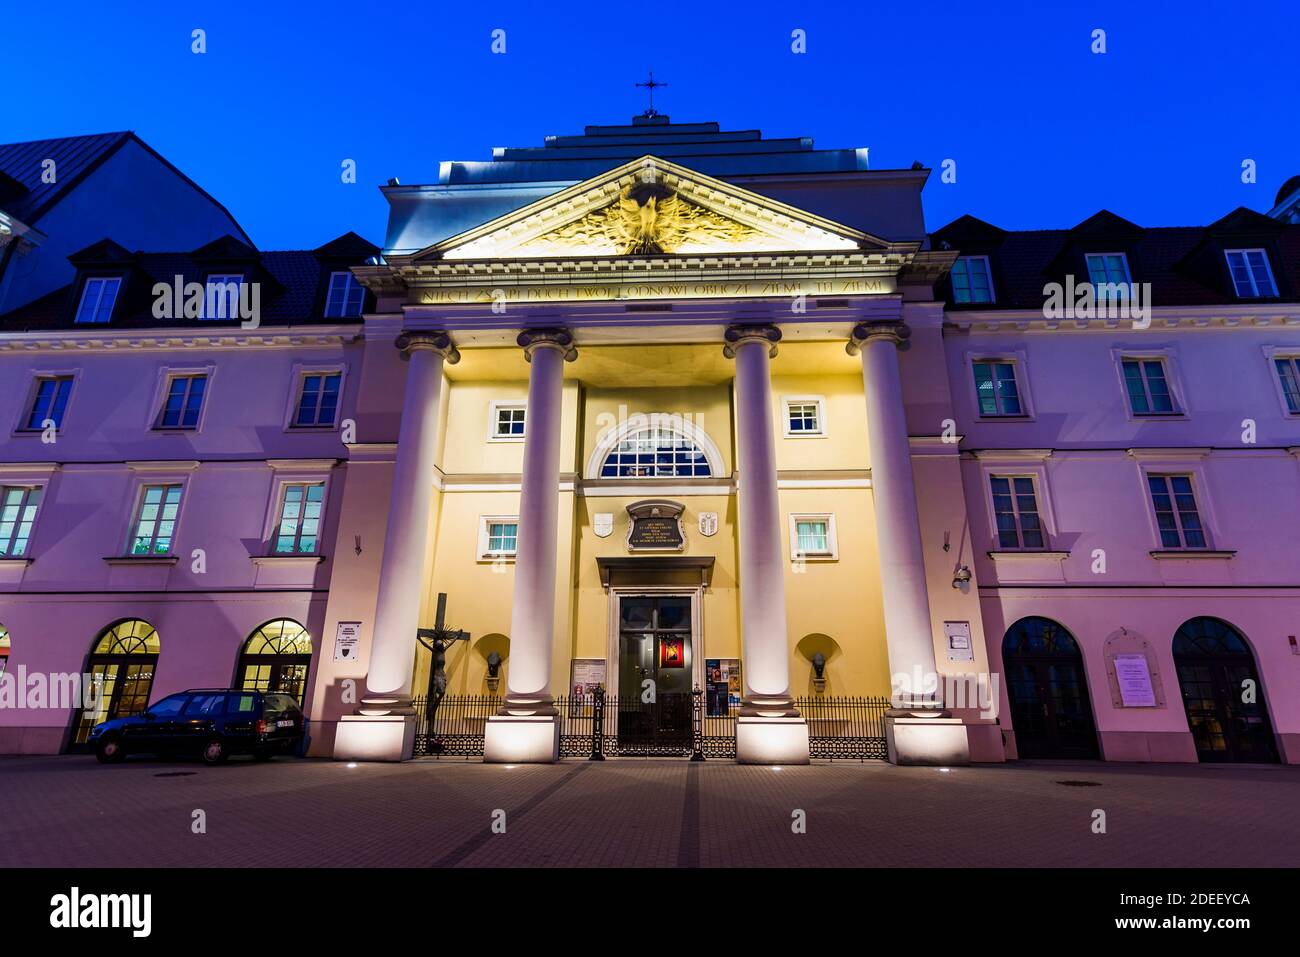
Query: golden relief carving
659	224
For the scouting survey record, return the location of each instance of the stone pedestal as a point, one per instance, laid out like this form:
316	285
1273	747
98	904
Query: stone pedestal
518	739
388	737
771	740
933	739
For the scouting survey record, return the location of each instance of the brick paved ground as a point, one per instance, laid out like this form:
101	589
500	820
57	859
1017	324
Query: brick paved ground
70	811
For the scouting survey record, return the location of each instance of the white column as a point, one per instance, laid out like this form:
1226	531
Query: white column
384	725
769	730
927	735
526	730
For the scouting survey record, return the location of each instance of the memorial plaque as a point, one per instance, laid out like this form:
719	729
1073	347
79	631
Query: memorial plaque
1134	681
655	526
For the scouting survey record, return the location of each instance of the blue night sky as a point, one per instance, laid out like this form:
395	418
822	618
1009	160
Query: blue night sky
1044	132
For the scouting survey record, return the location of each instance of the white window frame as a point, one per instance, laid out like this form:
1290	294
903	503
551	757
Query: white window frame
27	487
1268	268
350	283
484	554
1171	462
988	274
1273	355
141	490
232	309
1169	361
1168	475
1011	474
101	282
281	492
814	400
498	405
832	552
166	376
1019	361
1128	270
33	384
299	372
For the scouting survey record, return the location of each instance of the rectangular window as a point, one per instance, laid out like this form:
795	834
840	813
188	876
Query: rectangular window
498	536
18	507
508	420
1105	268
1251	275
1015	509
970	279
48	402
97	298
1148	387
184	402
1288	372
812	536
1177	518
298	531
318	402
155	520
995	385
345	296
221	296
804	417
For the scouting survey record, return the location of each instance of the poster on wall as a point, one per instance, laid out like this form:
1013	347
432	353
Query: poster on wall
672	652
347	641
585	676
722	686
1134	680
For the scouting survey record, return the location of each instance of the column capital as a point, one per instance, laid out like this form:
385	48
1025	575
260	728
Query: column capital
438	342
735	335
896	332
559	339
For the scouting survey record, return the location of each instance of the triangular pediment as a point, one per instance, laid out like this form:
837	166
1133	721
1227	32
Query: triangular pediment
651	207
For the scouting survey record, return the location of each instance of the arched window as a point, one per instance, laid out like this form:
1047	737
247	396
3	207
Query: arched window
277	657
656	452
122	664
1221	692
1051	713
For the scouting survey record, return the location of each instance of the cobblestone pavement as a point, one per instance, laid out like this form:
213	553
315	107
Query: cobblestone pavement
69	811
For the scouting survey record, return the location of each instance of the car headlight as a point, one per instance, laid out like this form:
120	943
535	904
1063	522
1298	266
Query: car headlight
97	730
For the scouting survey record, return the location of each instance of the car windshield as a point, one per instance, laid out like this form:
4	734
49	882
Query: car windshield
280	703
169	707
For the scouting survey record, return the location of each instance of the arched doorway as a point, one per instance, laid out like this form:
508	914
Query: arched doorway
124	658
277	658
1050	709
1222	693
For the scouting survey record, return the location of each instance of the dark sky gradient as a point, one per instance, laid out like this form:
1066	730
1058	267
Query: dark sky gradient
1043	131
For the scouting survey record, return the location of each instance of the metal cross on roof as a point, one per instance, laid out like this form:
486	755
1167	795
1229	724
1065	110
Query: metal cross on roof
651	86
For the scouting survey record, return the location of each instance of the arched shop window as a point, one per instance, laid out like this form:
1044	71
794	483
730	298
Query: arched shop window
656	453
122	663
277	658
1051	713
1222	694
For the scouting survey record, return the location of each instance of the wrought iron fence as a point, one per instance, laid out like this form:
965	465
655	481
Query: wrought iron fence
596	725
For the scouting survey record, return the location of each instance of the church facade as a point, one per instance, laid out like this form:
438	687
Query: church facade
663	403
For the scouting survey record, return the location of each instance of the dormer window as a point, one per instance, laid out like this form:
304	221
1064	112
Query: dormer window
345	296
1251	275
970	280
221	296
97	299
1106	269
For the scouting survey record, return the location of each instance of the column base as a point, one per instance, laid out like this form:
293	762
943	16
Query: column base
934	739
519	739
363	737
771	740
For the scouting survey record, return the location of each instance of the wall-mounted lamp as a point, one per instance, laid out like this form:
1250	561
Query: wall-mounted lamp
961	577
819	672
494	670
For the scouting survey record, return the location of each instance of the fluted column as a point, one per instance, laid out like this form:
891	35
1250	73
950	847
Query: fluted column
769	730
527	730
898	525
383	728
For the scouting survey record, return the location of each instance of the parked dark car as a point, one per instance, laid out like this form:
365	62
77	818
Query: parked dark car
212	723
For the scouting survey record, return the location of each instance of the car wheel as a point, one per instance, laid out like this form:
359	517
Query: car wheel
110	751
214	752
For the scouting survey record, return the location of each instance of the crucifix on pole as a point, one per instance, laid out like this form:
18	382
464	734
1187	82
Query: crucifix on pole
651	86
438	639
